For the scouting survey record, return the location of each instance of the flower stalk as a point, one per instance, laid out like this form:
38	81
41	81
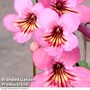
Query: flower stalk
34	70
36	1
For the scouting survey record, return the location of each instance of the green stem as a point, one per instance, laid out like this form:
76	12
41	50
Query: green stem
85	47
34	70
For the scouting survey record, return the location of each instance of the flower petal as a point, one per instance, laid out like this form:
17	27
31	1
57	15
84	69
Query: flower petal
22	5
38	8
82	77
71	57
85	13
41	59
71	3
48	17
40	80
70	22
39	37
20	38
80	1
72	42
9	22
54	51
46	3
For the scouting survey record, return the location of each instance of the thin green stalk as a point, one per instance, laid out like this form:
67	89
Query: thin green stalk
34	70
85	48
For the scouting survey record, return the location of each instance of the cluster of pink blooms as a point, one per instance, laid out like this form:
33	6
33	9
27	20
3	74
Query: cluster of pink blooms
52	25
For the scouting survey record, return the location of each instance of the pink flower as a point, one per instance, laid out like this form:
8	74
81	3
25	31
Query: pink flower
59	72
65	6
57	33
25	22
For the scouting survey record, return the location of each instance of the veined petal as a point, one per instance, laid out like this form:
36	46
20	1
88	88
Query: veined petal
82	77
85	13
41	59
22	5
70	58
58	76
48	17
74	77
70	22
22	38
72	42
9	22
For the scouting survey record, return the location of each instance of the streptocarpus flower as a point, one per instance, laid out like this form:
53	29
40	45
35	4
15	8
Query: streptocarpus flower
65	6
59	72
25	22
49	3
57	33
60	6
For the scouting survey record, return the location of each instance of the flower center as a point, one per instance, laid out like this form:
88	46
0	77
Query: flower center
60	77
61	7
58	30
56	37
57	66
28	24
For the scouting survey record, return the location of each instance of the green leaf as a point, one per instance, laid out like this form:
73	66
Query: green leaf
83	63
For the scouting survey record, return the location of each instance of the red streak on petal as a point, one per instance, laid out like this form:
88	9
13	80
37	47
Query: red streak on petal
28	24
60	77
